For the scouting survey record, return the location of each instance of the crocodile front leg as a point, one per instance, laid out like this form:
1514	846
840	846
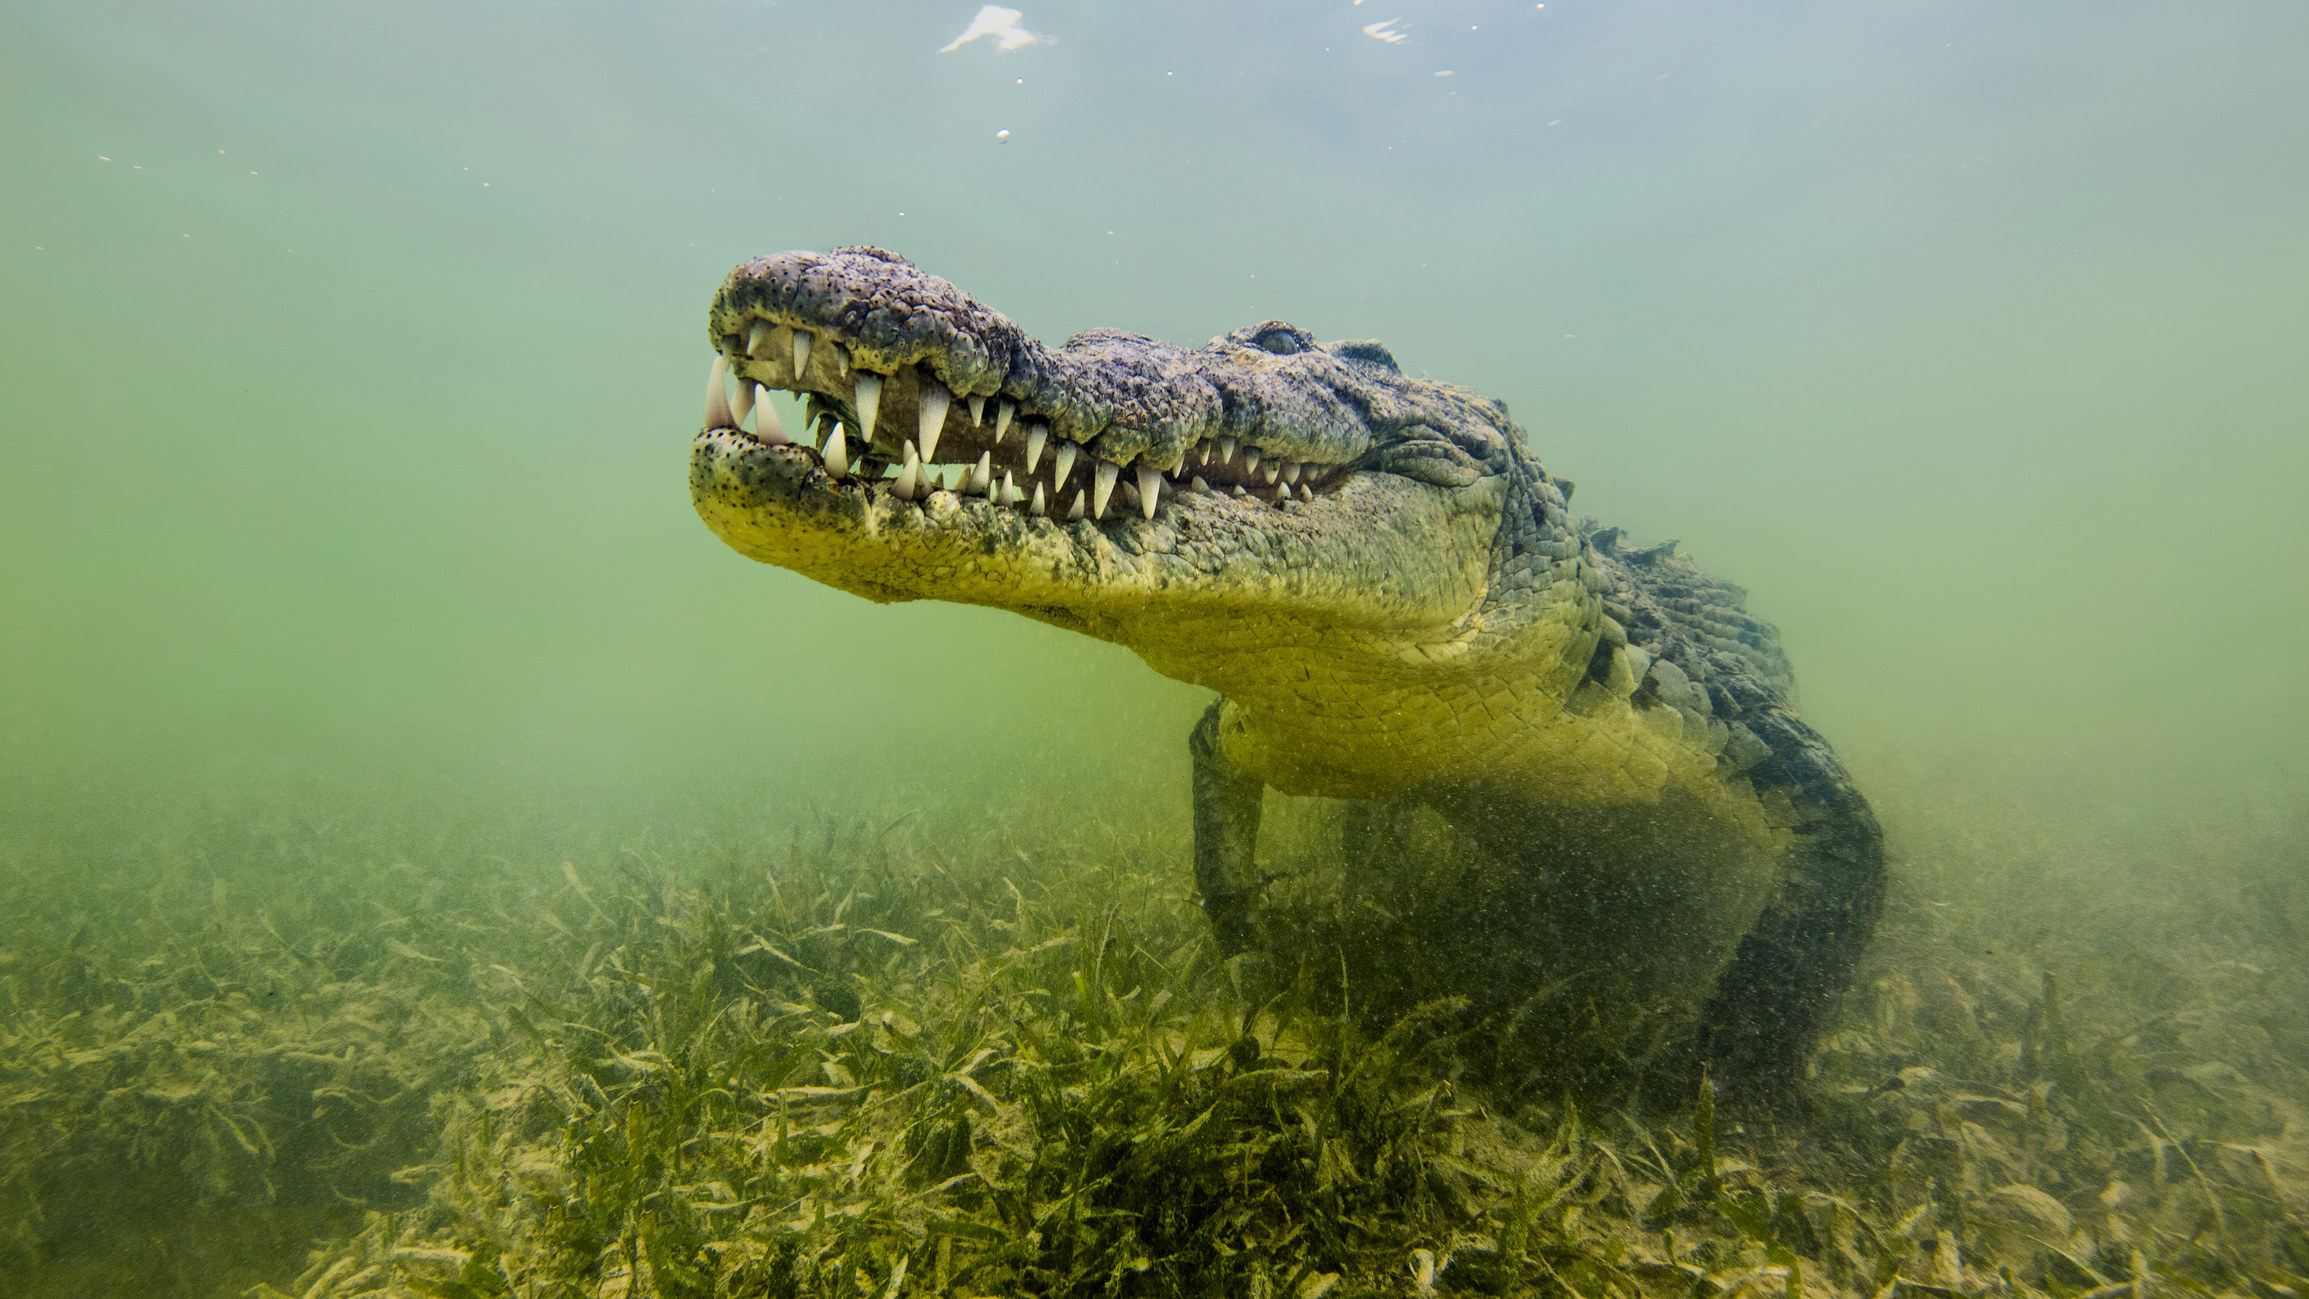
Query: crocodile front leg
1227	806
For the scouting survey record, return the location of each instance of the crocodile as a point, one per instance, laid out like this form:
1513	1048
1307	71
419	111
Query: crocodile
1384	586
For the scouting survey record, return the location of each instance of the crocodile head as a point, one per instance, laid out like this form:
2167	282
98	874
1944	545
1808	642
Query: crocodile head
1263	515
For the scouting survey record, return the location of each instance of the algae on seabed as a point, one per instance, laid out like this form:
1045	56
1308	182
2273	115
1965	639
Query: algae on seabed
882	1060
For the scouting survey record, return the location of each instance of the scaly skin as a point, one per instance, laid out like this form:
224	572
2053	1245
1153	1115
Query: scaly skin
1423	623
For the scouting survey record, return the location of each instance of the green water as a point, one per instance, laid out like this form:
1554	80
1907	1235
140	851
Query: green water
349	358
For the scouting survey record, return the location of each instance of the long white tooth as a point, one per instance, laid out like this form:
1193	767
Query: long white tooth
1062	463
741	401
841	360
1272	472
1250	459
837	453
1150	488
1003	410
1196	452
1291	471
1008	493
977	410
801	354
1074	511
767	426
1226	450
982	478
1103	487
903	487
1035	507
932	422
1282	493
1036	436
1201	486
1306	495
869	400
757	334
718	395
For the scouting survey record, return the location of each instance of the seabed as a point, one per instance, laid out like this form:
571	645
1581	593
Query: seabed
881	1060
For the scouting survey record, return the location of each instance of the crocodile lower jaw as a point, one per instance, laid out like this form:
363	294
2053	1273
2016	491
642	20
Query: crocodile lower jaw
778	501
1201	556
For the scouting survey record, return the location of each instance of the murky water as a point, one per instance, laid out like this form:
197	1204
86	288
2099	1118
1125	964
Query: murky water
348	364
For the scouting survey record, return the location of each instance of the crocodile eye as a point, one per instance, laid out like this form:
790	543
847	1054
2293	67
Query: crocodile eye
1281	342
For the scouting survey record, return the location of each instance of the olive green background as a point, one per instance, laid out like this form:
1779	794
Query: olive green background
349	355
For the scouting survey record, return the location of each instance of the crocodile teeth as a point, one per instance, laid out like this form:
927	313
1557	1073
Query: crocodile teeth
1035	506
1197	453
718	395
982	477
1074	510
1036	435
1306	495
1291	471
1008	494
1062	463
741	401
837	453
977	409
1226	450
801	353
757	334
1201	486
767	426
1002	413
1150	487
1251	461
1103	487
932	422
841	360
909	476
869	400
1239	493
